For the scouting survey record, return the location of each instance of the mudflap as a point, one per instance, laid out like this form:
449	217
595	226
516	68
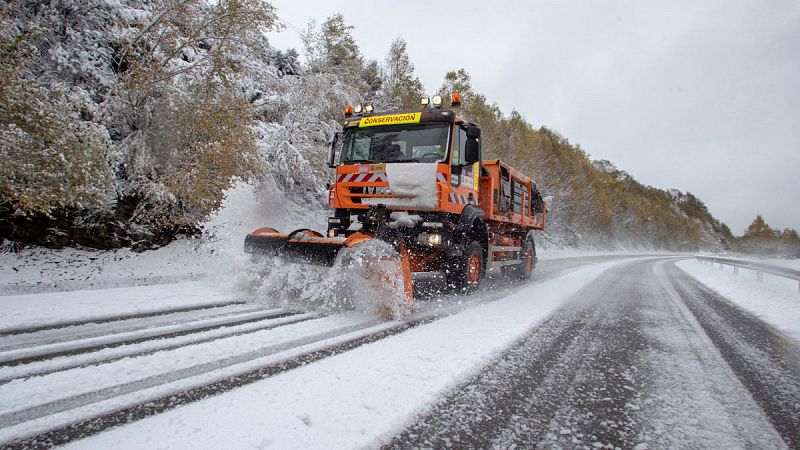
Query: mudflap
375	267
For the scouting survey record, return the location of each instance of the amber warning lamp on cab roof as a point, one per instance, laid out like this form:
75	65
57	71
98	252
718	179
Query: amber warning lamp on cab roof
455	99
348	110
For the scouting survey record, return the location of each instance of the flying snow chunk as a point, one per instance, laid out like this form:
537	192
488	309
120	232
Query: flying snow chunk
373	277
365	278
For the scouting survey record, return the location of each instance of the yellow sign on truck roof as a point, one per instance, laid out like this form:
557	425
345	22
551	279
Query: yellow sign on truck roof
391	119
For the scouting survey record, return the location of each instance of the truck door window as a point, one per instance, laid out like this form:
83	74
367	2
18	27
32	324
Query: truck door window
459	142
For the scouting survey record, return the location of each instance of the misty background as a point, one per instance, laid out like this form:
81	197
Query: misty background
700	96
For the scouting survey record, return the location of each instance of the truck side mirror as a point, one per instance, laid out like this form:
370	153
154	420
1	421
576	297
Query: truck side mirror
473	132
332	150
472	151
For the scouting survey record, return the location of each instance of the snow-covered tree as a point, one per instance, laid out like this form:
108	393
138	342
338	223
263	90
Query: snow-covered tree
189	118
51	156
288	63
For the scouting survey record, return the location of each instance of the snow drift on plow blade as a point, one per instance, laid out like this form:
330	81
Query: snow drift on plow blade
386	273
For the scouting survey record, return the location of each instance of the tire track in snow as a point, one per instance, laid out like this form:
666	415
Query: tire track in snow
94	425
81	346
572	381
624	366
138	351
9	344
765	360
112	318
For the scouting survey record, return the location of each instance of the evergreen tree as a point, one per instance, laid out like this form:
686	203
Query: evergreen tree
458	81
371	75
402	89
759	229
288	63
332	49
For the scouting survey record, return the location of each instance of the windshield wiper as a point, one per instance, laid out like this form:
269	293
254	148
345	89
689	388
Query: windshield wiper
359	161
404	160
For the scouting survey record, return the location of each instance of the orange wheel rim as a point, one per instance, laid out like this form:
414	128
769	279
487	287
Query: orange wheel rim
474	268
529	260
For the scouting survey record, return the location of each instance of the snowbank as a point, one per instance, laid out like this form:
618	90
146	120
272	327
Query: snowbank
44	270
560	253
31	310
776	300
783	262
218	256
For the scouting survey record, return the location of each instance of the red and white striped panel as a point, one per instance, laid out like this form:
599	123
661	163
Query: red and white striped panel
441	178
362	178
462	199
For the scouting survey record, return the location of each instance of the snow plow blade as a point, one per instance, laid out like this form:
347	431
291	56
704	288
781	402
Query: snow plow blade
302	246
388	275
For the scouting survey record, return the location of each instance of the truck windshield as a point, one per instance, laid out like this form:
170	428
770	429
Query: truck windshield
397	143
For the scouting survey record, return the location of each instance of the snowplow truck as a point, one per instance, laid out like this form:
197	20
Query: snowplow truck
415	180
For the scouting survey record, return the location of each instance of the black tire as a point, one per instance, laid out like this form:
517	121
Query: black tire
523	271
464	274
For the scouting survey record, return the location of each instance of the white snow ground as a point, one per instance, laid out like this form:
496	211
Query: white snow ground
783	262
559	253
776	300
44	270
385	384
31	310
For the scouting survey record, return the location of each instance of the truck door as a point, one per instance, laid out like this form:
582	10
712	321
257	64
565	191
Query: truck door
457	160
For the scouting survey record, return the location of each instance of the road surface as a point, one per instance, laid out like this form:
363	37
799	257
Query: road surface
597	352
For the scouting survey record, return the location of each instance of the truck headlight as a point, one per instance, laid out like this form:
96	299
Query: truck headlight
429	239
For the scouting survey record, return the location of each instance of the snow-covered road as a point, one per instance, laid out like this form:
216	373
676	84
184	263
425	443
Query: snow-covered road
645	357
595	351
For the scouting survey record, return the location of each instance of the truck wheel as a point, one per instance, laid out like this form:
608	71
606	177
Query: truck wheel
465	273
522	271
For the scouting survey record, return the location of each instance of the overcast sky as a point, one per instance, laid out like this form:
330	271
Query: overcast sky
702	96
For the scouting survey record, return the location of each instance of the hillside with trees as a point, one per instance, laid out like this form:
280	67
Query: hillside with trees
761	239
124	123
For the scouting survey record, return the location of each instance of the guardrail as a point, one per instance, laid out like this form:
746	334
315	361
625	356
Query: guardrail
759	268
